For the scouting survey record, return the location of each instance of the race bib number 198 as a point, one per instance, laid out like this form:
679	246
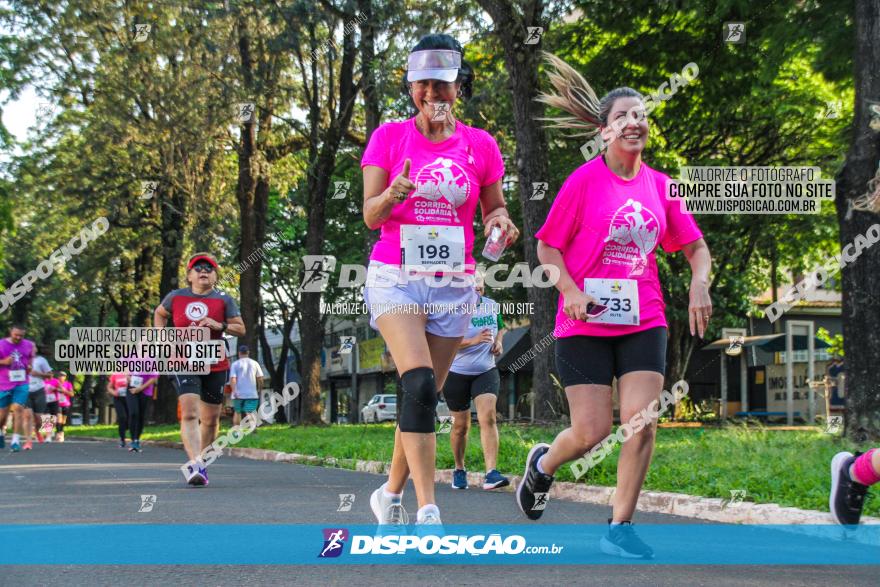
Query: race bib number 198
620	295
432	248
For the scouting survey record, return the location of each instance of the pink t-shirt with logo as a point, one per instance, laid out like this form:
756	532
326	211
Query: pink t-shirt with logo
608	227
64	399
448	176
51	387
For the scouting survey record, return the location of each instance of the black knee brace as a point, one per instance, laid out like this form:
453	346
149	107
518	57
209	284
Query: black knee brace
418	411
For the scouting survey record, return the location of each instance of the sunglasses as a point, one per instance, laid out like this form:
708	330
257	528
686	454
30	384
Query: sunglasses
203	268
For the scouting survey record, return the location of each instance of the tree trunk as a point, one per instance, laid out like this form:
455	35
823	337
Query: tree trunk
531	166
173	209
861	278
325	145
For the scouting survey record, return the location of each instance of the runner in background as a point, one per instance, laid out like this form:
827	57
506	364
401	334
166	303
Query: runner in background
53	407
16	354
48	424
64	393
140	391
474	376
601	233
200	396
246	379
117	388
36	406
423	179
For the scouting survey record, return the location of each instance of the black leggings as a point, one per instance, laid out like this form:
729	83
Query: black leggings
121	415
137	404
65	411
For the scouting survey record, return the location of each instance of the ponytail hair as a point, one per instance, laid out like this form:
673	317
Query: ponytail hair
575	95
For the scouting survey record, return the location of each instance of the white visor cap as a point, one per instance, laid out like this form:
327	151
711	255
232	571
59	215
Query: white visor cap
442	64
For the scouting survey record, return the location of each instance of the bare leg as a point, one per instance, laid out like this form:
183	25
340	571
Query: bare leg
461	424
591	414
236	418
486	403
412	348
637	390
209	422
18	419
189	424
28	424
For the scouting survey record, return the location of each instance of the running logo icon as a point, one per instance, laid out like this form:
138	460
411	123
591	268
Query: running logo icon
734	32
340	189
534	37
317	272
539	190
834	425
445	425
147	503
736	498
141	32
540	502
346	500
334	540
245	111
346	345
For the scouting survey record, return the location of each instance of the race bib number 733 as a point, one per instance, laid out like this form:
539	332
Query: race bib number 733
620	295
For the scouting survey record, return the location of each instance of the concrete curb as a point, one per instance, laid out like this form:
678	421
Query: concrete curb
660	502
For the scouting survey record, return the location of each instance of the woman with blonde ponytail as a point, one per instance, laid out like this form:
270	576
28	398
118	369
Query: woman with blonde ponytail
601	233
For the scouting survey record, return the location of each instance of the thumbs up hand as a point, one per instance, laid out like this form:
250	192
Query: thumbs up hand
402	186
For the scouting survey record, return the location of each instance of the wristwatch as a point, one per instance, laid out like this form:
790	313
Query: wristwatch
225	325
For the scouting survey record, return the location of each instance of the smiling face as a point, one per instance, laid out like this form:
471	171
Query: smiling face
428	93
16	334
627	128
202	275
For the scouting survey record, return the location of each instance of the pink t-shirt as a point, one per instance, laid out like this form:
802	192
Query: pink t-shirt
51	386
119	382
64	399
608	227
448	176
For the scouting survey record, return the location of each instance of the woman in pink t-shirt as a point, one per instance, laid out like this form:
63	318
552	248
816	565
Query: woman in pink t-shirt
423	179
601	234
117	388
64	393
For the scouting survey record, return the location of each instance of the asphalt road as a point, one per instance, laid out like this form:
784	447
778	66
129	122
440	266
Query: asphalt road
96	482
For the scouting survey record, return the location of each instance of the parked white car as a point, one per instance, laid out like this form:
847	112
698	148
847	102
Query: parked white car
379	409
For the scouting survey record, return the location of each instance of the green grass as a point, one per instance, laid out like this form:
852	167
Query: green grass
773	466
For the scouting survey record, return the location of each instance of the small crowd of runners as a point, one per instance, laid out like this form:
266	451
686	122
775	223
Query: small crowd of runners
423	179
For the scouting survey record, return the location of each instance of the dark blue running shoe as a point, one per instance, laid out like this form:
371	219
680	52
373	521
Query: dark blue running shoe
459	479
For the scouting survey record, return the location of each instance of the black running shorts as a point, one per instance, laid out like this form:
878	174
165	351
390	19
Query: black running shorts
596	360
208	387
458	390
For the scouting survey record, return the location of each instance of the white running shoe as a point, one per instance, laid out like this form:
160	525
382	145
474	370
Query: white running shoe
389	511
428	522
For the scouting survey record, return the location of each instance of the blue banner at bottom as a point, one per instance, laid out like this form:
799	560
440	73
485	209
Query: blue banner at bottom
687	544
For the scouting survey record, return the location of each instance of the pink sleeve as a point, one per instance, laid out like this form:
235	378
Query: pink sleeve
377	149
493	164
564	218
681	228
